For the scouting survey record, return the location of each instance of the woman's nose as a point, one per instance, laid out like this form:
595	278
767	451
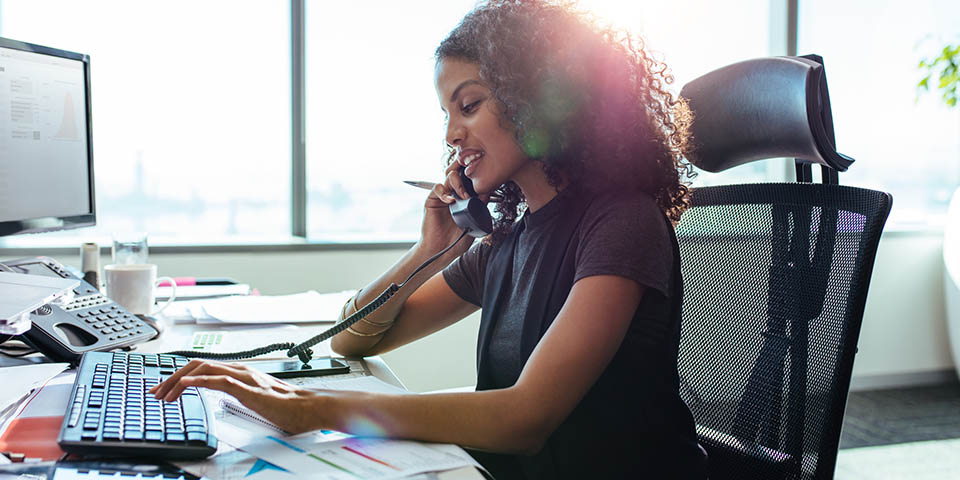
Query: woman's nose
455	134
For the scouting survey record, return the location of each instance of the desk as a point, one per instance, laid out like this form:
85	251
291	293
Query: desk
236	464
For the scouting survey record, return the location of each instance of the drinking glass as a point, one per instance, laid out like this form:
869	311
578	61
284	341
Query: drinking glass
129	248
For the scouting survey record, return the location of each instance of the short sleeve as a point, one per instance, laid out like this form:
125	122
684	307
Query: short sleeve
465	275
627	237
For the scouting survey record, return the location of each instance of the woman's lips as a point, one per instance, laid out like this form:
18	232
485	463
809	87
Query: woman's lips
471	167
469	159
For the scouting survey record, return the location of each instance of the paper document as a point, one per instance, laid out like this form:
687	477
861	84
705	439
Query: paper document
19	381
333	455
366	383
303	307
357	457
187	292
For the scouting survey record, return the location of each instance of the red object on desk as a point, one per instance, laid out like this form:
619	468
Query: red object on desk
192	281
34	437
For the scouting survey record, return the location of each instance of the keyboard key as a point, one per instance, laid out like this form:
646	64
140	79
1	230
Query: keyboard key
152	436
176	437
133	435
194	437
192	407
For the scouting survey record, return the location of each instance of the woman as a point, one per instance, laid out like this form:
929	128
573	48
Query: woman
570	125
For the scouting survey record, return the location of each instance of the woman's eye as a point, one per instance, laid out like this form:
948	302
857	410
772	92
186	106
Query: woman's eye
470	107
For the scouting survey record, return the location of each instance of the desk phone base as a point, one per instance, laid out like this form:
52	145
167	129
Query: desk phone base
112	415
90	322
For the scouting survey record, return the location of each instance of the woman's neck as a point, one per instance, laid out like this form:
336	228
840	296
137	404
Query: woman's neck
537	190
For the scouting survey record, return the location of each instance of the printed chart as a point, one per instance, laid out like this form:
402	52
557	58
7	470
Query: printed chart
354	457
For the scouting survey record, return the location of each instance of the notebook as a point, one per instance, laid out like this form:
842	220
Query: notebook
241	411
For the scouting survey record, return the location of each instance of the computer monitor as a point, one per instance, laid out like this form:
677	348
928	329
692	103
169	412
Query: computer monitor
46	148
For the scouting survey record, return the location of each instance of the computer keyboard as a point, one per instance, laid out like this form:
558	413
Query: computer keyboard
111	413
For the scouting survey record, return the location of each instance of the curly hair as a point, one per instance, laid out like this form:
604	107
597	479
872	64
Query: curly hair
587	102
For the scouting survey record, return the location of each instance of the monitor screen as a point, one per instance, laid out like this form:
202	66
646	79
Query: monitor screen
46	155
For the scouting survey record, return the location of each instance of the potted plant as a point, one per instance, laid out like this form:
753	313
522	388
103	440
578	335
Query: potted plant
944	70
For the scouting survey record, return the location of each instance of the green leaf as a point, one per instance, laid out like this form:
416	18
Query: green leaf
952	102
924	83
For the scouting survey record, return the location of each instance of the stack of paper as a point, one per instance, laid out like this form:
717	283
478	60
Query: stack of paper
303	307
193	292
19	381
333	455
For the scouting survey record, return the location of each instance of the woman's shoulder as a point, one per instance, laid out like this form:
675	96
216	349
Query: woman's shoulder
625	206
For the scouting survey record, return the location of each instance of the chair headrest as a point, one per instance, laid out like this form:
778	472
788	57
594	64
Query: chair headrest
762	108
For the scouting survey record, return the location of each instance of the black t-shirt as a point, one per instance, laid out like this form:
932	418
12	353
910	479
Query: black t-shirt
632	421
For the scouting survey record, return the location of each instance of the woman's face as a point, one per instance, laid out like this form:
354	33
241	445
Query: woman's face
487	149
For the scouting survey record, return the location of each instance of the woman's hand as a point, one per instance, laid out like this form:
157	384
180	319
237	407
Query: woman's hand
439	229
289	407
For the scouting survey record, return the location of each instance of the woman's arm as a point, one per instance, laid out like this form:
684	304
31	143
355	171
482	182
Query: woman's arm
565	364
424	305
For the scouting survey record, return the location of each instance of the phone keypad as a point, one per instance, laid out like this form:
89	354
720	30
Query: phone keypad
113	322
87	301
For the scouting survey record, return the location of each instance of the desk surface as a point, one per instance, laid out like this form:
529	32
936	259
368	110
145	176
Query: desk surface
177	337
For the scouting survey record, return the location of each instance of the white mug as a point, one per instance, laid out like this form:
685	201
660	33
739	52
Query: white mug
133	286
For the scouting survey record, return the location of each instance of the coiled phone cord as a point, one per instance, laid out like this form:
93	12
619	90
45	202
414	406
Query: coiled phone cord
303	350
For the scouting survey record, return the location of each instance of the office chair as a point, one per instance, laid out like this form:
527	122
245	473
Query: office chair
775	275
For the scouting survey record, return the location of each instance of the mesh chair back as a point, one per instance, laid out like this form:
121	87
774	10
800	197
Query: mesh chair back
775	282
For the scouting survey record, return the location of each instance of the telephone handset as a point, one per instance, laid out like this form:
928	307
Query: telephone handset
90	322
470	213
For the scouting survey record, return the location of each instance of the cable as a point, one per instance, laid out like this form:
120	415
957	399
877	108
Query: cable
256	352
23	353
303	350
16	350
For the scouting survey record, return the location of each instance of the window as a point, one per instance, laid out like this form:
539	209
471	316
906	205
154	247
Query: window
372	115
373	118
192	104
904	145
191	112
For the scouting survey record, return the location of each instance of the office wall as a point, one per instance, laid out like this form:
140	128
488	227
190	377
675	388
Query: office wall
903	340
904	337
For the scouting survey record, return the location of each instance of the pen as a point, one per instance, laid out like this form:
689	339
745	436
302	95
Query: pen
429	186
190	281
421	184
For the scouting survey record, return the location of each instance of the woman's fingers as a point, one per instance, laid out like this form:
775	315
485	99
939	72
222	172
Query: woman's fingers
442	192
170	389
224	383
453	180
161	389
